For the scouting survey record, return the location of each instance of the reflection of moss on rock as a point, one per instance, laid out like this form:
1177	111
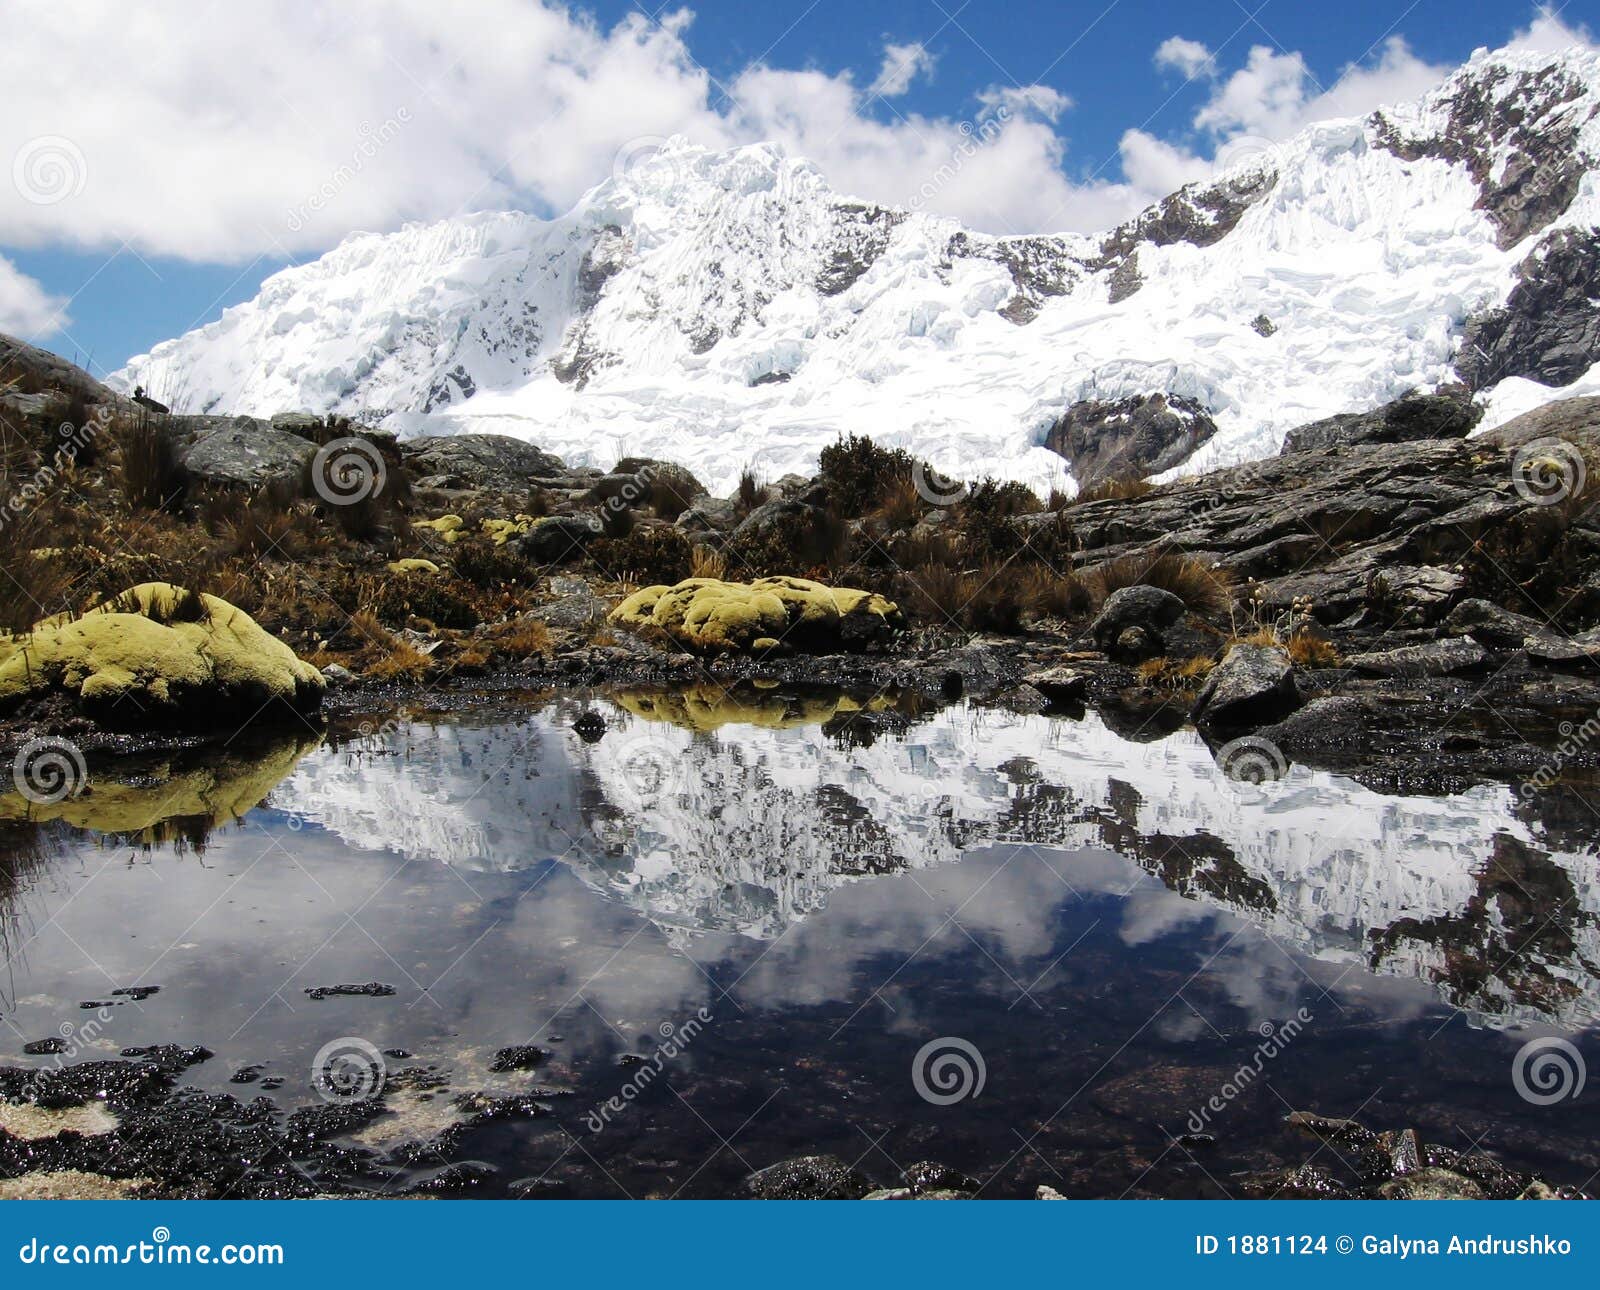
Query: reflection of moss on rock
413	566
158	650
708	614
168	799
710	707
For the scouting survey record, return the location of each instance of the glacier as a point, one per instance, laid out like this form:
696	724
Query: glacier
729	310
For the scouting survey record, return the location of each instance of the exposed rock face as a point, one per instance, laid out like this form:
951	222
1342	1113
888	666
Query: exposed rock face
32	368
1129	438
1548	330
493	461
1418	416
1529	118
1331	525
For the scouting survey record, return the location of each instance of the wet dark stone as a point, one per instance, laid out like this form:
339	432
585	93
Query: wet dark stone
929	1175
138	993
372	990
590	727
397	1054
519	1057
245	1075
808	1178
45	1047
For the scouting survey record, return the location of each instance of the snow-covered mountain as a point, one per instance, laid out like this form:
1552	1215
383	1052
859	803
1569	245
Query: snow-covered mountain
749	828
725	309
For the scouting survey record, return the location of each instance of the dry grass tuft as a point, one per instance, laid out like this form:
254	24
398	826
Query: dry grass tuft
1204	590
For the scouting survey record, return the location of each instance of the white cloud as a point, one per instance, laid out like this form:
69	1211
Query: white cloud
1273	96
26	308
902	64
298	121
1026	100
1547	34
1189	57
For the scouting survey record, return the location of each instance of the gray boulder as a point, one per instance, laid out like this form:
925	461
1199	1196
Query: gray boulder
238	452
1253	684
493	461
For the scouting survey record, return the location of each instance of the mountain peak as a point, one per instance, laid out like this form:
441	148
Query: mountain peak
730	309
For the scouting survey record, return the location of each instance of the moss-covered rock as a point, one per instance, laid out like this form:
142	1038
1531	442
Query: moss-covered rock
159	654
713	616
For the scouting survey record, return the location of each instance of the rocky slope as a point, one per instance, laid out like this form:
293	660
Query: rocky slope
729	309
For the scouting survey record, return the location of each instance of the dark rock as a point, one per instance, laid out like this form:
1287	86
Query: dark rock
1149	609
371	990
520	1057
45	1047
929	1176
1253	684
1489	624
559	538
590	727
710	515
1548	329
1129	438
1414	417
1413	595
1337	723
1436	658
808	1178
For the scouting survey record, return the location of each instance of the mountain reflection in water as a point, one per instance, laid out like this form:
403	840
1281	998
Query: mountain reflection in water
836	882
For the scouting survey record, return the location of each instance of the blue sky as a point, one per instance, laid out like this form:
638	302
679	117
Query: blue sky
179	171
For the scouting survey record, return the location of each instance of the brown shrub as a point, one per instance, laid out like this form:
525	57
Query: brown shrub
148	472
646	555
1116	489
